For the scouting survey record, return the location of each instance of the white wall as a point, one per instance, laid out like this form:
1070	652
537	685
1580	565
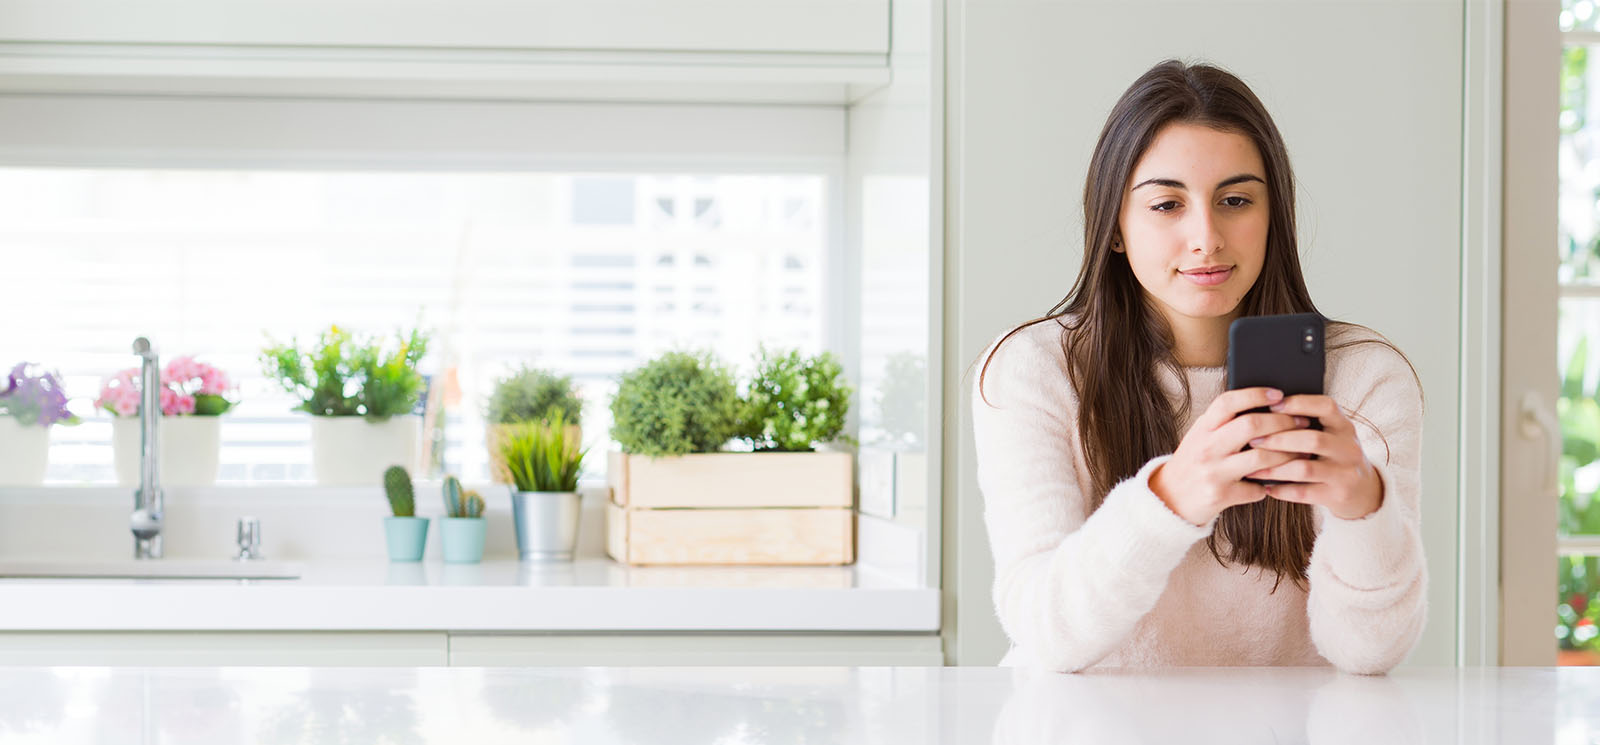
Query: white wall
1369	98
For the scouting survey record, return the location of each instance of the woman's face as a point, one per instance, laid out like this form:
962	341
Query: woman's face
1194	220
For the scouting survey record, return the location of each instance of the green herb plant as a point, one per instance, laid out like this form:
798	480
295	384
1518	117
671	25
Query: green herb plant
543	456
459	502
675	404
343	374
397	486
795	402
533	395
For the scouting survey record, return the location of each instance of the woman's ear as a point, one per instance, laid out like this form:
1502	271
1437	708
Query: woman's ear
1116	245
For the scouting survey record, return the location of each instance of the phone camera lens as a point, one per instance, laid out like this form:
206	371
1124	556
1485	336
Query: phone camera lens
1308	347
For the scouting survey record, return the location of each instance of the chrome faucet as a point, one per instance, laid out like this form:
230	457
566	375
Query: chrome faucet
147	501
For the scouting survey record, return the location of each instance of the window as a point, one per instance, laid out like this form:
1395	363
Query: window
1578	351
584	274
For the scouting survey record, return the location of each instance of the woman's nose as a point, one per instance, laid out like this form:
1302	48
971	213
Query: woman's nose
1203	236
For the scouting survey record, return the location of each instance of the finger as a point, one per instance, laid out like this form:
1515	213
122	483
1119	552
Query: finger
1301	493
1322	407
1299	470
1305	442
1239	465
1244	492
1231	437
1228	405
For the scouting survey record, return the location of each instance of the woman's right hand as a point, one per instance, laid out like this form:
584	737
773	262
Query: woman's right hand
1205	475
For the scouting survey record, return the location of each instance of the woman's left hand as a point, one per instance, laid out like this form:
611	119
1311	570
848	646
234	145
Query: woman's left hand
1340	478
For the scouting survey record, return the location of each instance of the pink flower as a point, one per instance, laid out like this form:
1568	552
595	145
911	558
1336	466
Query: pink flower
214	382
117	390
182	380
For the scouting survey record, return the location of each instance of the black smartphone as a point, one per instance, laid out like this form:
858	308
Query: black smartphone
1283	352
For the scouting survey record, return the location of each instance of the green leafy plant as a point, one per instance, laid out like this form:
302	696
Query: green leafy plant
397	486
459	502
347	375
532	395
543	455
796	402
675	404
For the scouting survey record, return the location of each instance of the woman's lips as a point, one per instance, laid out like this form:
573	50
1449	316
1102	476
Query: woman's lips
1209	276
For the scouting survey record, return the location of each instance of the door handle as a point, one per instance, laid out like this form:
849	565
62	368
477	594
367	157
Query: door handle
1536	422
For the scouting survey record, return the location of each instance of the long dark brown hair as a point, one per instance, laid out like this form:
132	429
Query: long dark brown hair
1115	344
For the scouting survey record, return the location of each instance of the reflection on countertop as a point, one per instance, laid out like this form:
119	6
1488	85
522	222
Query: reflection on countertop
902	706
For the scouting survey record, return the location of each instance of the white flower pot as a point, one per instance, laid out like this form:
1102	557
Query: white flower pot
24	452
351	451
190	447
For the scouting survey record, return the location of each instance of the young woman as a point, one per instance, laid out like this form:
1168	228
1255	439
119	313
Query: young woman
1111	459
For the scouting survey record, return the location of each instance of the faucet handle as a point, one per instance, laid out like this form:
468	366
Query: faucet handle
249	539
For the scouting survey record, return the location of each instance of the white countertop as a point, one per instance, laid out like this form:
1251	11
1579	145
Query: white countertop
697	706
501	595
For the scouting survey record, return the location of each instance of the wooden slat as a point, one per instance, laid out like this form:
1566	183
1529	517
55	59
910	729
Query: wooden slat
735	480
718	536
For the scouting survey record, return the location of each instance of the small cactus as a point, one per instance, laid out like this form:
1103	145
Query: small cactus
472	504
452	496
397	485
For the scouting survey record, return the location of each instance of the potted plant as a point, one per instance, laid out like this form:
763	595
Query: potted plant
544	460
463	529
675	500
193	399
361	393
31	401
528	395
404	533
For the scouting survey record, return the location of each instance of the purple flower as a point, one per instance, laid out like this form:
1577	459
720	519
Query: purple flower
35	399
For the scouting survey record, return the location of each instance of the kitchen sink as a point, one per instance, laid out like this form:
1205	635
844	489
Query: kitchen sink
148	569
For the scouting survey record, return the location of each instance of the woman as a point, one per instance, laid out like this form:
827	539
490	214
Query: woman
1111	460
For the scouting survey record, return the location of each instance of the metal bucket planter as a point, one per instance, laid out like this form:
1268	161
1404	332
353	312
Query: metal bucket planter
547	524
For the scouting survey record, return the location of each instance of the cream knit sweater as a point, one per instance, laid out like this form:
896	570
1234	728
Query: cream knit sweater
1134	585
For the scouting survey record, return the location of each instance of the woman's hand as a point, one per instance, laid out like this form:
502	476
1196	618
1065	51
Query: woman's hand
1203	476
1340	478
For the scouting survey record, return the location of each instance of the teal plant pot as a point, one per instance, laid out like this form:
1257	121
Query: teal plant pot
406	536
463	539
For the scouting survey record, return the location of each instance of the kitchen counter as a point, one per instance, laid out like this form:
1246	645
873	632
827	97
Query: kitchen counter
589	594
902	706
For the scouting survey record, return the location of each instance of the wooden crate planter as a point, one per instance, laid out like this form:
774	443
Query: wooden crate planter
731	508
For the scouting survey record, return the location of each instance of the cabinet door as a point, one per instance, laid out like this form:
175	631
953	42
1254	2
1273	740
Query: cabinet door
694	649
169	649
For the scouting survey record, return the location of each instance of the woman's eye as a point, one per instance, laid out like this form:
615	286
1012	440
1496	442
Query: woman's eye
1236	201
1164	207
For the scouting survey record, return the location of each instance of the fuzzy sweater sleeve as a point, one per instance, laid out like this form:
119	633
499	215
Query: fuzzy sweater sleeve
1368	600
1067	590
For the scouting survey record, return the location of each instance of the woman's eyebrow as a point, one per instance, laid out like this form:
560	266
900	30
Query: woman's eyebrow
1176	184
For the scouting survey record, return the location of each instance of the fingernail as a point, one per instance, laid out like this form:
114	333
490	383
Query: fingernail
1274	394
1301	421
1277	406
1257	442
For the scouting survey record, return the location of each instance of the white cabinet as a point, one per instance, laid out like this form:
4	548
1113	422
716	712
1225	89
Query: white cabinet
694	649
225	648
760	26
816	51
438	648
